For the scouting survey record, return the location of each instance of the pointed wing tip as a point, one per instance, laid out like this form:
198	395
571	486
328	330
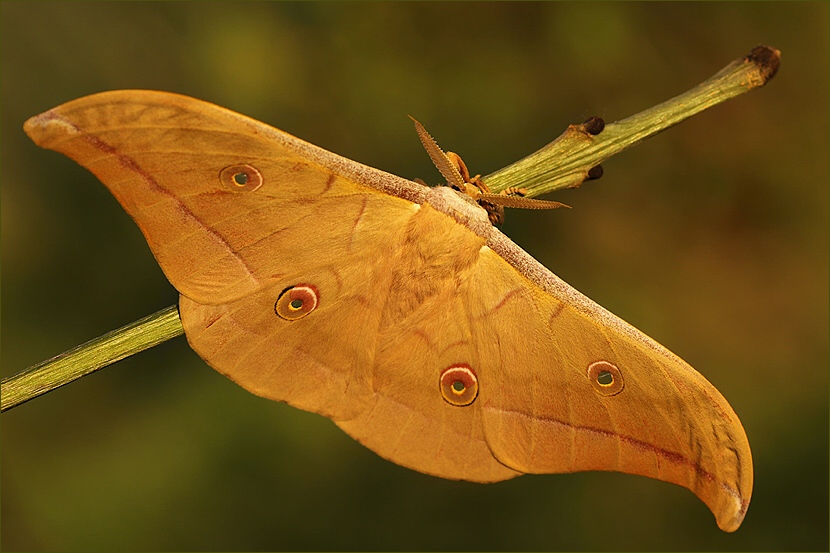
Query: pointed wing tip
43	129
731	517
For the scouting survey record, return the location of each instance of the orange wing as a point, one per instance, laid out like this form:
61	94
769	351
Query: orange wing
395	309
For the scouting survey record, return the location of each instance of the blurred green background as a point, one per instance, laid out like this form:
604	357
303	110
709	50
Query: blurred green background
711	237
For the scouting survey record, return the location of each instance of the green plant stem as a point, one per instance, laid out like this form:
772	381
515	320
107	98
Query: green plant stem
564	163
567	161
89	357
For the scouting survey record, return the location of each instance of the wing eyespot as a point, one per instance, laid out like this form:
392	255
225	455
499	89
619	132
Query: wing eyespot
297	301
459	385
244	178
606	378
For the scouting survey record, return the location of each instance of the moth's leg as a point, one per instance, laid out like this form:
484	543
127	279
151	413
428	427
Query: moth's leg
514	191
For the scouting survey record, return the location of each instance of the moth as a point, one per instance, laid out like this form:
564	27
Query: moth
395	309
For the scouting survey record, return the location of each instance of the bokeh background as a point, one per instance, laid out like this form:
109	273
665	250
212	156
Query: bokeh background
711	237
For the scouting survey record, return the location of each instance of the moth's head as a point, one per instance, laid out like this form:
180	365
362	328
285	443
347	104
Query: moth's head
453	168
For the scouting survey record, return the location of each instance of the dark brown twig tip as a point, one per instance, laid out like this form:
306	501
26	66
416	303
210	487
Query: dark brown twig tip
594	172
593	125
767	59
